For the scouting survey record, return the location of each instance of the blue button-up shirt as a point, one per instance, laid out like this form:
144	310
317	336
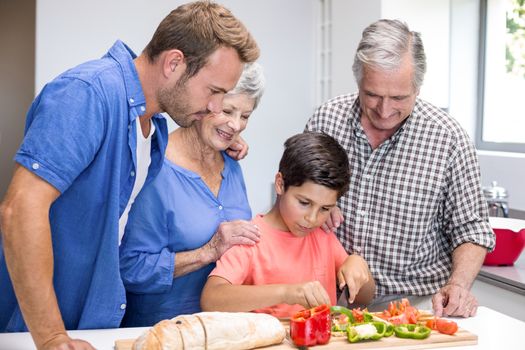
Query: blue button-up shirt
176	213
80	137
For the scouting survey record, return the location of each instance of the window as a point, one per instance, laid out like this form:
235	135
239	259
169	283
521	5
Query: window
501	126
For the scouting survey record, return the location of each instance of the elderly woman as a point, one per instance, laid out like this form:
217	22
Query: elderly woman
194	211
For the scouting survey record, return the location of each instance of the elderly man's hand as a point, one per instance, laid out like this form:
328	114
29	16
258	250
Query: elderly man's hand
231	233
238	150
354	274
454	300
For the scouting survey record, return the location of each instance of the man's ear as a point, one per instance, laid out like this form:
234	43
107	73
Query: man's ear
279	184
172	59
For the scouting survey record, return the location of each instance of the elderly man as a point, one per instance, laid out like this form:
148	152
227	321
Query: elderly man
414	209
93	138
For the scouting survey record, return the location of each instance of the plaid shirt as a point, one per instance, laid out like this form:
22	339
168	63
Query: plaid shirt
412	200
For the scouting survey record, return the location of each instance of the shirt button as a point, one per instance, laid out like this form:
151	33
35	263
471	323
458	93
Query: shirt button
142	108
362	212
131	100
220	207
132	173
368	177
122	306
35	166
357	250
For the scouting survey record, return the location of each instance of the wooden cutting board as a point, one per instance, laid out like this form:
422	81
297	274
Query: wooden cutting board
436	340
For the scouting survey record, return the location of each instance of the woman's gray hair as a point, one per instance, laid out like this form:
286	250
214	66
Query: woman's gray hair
251	82
384	44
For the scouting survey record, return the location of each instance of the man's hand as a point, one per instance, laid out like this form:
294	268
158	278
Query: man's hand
309	294
238	150
454	300
334	221
63	342
231	233
354	273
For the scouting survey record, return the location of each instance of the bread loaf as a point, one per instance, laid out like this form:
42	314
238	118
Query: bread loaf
213	331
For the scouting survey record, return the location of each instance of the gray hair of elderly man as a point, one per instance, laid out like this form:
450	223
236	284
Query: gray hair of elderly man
251	82
383	45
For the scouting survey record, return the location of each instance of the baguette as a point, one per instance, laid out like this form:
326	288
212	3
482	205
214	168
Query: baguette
213	331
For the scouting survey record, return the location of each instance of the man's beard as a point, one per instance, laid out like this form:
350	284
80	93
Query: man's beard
175	102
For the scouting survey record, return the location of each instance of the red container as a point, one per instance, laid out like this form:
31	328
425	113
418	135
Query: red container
510	241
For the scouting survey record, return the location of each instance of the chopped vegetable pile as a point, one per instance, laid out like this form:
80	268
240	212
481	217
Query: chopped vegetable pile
315	326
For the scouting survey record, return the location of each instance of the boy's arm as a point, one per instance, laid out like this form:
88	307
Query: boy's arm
355	274
220	295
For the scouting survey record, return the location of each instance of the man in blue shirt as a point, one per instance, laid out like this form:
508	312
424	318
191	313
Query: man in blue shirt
93	138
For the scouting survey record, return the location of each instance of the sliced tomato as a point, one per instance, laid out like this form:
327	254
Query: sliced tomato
446	327
431	323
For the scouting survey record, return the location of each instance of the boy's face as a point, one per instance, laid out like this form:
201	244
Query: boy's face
306	207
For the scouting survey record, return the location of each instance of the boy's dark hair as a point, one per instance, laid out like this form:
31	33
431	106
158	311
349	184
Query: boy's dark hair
315	157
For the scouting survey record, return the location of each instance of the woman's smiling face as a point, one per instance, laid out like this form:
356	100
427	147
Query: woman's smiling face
220	131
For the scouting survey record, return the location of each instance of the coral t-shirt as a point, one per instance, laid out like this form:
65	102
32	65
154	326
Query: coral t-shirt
280	257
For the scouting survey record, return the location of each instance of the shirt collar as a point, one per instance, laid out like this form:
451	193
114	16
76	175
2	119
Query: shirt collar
124	57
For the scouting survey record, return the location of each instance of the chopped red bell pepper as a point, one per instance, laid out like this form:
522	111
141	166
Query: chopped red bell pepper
311	327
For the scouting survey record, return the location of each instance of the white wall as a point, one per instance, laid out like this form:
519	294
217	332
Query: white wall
72	31
350	17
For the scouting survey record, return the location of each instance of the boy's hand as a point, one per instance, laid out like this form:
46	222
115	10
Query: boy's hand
238	150
231	233
354	273
334	221
309	294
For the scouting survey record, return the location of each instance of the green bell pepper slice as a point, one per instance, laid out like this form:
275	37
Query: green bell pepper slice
337	309
389	330
336	326
412	331
343	310
364	331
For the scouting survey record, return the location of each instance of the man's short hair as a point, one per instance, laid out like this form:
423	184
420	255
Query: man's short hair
315	157
198	29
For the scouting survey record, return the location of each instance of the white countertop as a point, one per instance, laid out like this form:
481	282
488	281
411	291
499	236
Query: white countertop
494	330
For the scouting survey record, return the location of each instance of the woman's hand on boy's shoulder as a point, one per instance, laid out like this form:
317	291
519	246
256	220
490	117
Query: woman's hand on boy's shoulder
334	220
354	273
308	294
230	233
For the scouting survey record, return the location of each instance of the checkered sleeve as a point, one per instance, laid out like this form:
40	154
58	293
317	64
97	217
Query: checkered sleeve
465	205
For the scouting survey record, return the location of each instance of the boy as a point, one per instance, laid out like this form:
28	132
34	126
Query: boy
295	264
